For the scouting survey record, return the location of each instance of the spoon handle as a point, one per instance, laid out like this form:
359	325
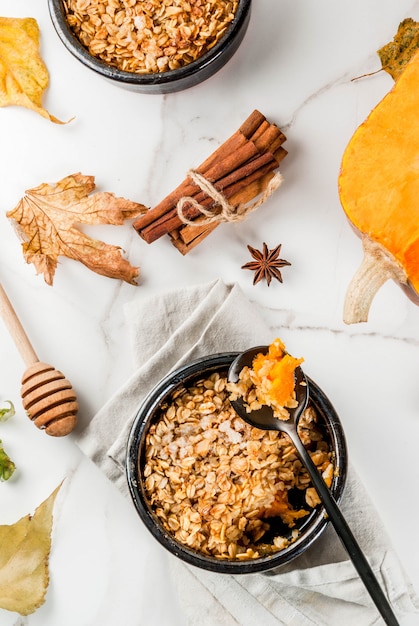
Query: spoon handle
345	534
16	329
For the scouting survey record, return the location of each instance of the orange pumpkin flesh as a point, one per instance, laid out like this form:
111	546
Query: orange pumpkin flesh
275	372
379	192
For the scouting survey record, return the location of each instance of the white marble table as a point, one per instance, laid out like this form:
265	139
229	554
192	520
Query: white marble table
295	65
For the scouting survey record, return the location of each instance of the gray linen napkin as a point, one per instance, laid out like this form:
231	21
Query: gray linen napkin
319	588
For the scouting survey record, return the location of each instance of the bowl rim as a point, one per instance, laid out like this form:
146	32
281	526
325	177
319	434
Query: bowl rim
315	524
73	45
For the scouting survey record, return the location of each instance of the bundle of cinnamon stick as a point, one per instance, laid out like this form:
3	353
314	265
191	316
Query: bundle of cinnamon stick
240	169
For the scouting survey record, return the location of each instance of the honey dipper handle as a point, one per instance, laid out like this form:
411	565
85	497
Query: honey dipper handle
16	329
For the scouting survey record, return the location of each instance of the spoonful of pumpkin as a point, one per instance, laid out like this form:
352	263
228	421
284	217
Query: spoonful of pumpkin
270	391
47	396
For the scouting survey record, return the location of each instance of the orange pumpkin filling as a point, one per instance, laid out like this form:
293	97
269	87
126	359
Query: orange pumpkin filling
273	376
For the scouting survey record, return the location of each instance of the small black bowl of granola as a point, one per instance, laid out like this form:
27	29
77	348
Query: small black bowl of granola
218	493
151	47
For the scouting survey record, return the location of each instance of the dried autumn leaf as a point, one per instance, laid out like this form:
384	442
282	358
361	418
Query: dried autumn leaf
23	74
24	559
45	219
396	54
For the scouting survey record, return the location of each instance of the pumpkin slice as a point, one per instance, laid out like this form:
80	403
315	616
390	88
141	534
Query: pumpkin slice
379	192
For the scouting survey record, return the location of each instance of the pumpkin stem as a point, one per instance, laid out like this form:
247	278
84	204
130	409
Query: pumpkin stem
376	268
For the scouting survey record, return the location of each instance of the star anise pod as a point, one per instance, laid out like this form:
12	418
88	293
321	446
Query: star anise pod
266	264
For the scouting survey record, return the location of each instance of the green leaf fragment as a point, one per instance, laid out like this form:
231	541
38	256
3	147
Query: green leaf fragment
7	467
5	413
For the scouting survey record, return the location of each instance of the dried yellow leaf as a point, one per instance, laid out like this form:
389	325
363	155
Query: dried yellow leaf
396	54
45	219
23	74
24	559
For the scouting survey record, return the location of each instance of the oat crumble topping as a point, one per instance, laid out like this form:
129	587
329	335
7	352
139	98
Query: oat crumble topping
149	36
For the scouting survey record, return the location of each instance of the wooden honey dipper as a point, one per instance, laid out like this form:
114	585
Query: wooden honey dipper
47	396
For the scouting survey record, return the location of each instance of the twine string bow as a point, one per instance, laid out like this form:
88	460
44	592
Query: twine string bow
222	210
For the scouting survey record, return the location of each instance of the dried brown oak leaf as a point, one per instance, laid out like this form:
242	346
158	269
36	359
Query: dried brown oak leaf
24	559
23	74
45	219
395	55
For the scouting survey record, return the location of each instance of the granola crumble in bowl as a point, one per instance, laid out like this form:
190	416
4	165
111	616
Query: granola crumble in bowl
218	493
152	46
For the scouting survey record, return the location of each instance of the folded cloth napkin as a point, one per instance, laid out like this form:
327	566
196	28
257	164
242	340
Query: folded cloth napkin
318	588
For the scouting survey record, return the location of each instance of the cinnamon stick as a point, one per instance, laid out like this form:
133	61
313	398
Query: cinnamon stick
240	169
252	123
171	219
268	137
186	188
259	130
186	236
242	146
240	155
197	234
236	167
241	174
242	197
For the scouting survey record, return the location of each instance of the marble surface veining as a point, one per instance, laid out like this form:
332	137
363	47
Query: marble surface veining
297	65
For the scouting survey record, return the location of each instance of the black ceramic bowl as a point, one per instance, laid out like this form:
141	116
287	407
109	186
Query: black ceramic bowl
310	527
162	82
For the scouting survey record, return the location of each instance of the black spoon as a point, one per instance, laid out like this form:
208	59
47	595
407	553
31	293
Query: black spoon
263	418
